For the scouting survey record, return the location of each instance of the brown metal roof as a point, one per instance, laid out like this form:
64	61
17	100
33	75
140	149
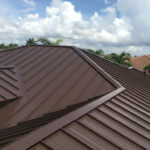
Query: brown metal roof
119	120
10	88
45	131
55	80
118	123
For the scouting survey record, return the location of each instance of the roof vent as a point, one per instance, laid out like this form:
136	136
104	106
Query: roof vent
9	83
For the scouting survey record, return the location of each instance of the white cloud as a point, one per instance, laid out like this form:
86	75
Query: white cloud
29	2
106	2
139	18
27	10
33	16
104	30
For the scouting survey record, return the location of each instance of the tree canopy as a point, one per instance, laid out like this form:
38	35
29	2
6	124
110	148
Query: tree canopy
147	69
31	41
98	52
46	41
123	58
11	45
43	41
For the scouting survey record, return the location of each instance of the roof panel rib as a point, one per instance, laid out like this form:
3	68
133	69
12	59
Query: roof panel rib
121	122
118	120
9	84
55	79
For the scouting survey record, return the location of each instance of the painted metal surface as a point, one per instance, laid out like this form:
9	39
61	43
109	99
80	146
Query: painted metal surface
10	88
122	122
55	80
118	120
50	128
116	124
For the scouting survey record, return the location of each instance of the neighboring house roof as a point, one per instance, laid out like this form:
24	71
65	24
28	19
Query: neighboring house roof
140	62
53	81
119	119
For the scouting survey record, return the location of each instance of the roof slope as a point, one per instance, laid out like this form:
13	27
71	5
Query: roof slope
140	62
119	123
9	84
55	80
115	121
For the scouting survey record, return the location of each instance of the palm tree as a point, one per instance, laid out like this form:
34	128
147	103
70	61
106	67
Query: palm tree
123	59
31	41
58	41
46	41
147	69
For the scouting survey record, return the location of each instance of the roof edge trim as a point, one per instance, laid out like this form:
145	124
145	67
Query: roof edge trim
97	68
39	134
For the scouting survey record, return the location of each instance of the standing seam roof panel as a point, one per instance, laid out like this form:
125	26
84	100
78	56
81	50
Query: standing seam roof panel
55	81
123	121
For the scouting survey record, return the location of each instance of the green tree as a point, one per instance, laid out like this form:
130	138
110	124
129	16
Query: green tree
2	46
98	52
147	69
46	41
31	41
123	58
58	41
12	45
91	51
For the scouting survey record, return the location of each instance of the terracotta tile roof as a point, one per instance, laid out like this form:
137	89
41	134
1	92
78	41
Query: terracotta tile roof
140	62
118	120
55	81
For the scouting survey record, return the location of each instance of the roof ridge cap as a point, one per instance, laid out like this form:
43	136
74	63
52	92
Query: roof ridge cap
97	68
9	49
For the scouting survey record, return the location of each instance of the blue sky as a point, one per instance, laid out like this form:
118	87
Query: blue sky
18	7
113	25
86	7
